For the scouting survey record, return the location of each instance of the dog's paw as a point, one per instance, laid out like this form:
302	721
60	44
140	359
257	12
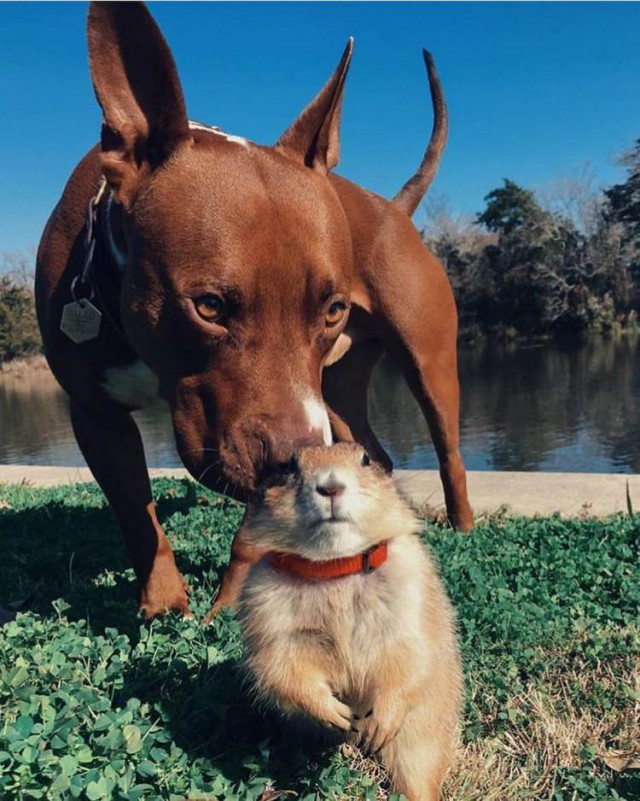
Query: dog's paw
164	591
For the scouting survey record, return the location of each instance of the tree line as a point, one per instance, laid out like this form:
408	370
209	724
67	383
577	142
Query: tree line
565	261
19	334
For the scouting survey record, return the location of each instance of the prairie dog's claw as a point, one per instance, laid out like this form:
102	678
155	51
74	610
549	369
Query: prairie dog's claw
337	714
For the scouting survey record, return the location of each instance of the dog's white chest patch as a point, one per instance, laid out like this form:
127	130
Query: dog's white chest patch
133	385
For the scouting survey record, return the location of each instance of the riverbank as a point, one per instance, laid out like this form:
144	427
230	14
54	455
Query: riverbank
24	367
472	336
573	495
574	409
469	338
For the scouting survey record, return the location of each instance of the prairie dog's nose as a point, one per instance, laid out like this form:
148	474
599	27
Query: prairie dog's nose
330	487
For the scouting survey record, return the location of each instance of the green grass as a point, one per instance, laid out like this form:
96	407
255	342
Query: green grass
97	704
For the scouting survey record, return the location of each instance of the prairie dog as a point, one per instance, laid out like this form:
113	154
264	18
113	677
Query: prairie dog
371	654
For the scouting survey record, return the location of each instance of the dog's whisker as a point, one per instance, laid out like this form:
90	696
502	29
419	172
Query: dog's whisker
206	470
197	450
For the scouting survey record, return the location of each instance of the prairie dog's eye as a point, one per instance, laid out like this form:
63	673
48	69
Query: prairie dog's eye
336	312
365	461
210	307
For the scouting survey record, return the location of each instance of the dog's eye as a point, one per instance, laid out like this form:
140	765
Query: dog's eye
336	312
365	461
210	307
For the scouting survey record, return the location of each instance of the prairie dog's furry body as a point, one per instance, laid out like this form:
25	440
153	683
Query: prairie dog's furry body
336	649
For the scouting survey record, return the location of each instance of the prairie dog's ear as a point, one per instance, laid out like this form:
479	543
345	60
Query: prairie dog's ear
137	86
314	138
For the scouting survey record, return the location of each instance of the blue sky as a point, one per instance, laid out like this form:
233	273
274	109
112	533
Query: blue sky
535	90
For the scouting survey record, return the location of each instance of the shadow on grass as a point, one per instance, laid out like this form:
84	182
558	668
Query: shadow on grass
211	716
57	550
629	787
70	547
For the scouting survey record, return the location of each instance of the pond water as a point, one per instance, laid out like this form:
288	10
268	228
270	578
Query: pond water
572	407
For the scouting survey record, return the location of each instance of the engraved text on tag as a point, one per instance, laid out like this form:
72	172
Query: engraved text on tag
80	321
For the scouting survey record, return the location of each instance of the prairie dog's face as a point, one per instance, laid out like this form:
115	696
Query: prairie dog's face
335	503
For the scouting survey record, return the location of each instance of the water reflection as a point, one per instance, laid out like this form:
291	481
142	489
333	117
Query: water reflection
35	427
570	407
554	408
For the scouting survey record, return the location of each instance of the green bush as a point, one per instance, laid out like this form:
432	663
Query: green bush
19	334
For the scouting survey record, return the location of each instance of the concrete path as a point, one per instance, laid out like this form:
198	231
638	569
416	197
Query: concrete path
42	476
571	494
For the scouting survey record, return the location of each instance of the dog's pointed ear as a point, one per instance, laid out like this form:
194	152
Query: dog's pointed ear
137	86
314	138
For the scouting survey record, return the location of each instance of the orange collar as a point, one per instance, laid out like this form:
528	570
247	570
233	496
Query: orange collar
305	568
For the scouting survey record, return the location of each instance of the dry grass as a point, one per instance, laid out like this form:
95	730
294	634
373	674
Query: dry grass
524	761
24	367
558	723
437	515
360	762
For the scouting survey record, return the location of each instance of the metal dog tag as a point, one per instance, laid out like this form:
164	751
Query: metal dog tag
80	321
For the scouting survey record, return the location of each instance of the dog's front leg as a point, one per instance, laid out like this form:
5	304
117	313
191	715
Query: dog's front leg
244	554
418	328
111	444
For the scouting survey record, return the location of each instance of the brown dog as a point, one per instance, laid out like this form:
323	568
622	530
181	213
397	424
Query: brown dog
219	275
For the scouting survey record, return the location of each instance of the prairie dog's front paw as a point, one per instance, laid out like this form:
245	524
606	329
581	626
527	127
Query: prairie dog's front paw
334	713
329	711
379	727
